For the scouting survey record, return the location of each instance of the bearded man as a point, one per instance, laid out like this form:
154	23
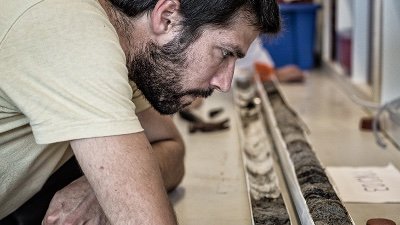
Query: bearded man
86	86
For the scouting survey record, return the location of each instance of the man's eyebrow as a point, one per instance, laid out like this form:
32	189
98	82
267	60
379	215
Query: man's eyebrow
236	50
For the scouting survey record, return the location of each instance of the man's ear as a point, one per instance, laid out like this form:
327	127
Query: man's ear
164	16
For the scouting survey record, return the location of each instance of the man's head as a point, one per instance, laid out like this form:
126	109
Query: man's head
182	49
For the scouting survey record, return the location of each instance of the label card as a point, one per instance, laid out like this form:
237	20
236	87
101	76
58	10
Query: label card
366	184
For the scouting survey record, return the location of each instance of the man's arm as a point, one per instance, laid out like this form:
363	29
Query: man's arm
167	145
77	203
125	176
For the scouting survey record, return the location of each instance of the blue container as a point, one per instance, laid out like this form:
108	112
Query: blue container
295	44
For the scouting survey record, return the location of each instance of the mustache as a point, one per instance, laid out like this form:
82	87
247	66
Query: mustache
204	93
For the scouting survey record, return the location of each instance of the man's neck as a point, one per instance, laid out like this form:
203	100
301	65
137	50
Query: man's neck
132	32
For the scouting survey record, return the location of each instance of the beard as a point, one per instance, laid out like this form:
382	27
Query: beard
158	72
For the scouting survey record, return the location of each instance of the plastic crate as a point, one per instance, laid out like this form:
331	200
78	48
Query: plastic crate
295	44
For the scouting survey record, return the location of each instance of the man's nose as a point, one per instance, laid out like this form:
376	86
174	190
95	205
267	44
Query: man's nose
223	78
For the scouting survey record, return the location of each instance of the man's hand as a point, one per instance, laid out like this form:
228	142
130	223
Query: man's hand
75	204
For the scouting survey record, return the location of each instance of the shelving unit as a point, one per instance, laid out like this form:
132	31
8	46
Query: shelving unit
373	37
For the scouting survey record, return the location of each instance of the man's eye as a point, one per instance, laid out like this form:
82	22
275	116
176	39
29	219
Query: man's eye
226	53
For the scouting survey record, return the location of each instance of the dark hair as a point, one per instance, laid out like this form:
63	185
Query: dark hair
262	14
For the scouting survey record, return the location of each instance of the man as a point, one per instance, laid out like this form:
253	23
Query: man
69	71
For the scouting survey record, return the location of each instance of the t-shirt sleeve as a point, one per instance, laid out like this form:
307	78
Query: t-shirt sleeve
67	73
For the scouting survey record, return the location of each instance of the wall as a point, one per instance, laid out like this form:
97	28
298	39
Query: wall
391	50
361	40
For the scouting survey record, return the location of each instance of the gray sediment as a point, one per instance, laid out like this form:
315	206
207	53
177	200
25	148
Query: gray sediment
323	203
267	203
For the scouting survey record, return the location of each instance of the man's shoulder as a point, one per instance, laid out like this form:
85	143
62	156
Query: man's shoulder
64	12
70	26
10	11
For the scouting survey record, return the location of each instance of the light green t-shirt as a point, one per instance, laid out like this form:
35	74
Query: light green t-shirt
62	77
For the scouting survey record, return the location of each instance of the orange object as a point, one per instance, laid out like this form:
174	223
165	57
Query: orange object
264	71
